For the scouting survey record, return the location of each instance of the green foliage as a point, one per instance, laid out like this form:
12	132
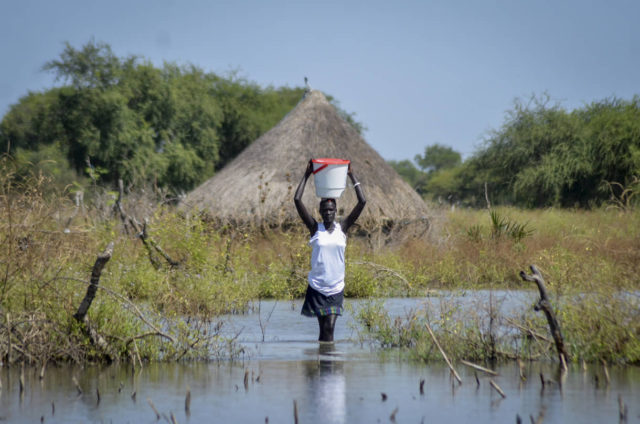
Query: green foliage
474	233
502	226
92	66
249	111
443	185
412	175
361	282
438	176
375	325
623	197
143	312
49	162
543	155
170	127
603	325
546	156
438	157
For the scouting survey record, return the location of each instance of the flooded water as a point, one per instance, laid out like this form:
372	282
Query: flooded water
283	365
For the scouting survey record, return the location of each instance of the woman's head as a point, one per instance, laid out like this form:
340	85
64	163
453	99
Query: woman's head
328	210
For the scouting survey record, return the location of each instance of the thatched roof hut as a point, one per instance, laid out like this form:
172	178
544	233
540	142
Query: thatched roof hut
259	184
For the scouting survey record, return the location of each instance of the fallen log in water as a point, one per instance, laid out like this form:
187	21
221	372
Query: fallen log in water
478	367
497	388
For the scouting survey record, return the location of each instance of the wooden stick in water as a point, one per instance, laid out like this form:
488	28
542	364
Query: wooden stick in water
22	380
8	339
444	355
624	410
498	389
478	367
187	402
76	384
523	377
606	372
150	402
392	417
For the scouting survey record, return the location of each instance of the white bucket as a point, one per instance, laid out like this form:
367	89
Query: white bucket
330	177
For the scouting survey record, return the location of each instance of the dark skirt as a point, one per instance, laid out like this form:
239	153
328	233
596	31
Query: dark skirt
316	304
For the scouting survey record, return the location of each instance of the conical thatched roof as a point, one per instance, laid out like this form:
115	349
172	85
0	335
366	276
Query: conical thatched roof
259	184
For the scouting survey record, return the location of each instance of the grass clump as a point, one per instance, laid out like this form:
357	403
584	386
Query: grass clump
475	326
478	249
143	310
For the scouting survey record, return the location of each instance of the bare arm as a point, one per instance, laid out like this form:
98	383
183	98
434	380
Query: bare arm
357	210
297	199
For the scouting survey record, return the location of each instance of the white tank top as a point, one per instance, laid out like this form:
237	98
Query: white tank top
327	260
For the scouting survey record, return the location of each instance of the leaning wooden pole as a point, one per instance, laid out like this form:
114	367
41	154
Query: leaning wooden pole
545	305
81	313
102	259
444	355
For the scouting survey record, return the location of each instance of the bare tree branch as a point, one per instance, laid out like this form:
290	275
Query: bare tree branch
545	305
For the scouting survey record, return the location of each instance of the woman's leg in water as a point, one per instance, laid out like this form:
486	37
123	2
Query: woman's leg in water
327	324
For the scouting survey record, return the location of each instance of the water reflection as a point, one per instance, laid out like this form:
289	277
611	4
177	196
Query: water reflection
327	395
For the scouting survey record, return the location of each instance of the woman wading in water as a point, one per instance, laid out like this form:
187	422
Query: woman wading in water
325	292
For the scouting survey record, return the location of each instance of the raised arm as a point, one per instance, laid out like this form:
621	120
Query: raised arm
297	199
357	210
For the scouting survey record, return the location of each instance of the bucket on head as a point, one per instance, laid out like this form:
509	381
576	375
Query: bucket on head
330	176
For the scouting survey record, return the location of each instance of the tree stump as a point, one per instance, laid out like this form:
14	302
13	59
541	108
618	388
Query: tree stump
545	305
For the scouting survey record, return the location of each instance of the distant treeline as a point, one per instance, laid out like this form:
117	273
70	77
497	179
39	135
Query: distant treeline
124	118
543	155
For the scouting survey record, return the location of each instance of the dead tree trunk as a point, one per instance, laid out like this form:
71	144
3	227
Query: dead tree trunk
119	210
81	313
102	259
146	240
544	305
141	233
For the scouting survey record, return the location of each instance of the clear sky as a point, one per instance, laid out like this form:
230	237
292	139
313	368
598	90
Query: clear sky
414	72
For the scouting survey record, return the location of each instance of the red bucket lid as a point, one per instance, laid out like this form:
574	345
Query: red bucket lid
331	161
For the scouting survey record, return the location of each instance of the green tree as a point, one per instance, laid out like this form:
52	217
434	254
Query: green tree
249	111
444	185
412	175
546	156
93	66
125	118
437	157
